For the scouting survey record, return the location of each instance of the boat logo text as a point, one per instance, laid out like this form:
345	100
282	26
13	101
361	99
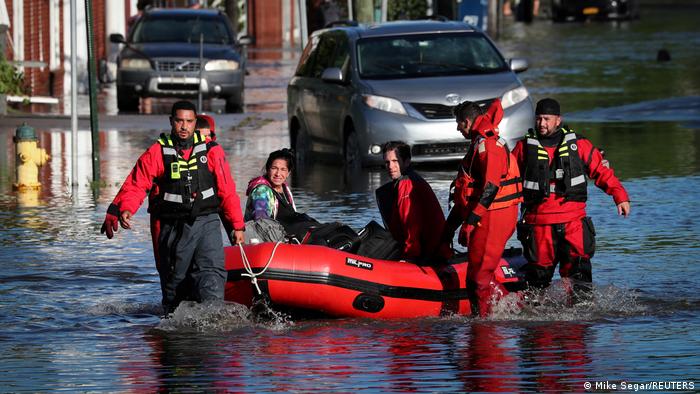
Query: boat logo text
358	263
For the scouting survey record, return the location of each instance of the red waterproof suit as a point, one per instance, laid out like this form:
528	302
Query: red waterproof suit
135	180
412	214
150	166
555	228
486	201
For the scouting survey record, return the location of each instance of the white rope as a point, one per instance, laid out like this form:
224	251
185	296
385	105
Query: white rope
246	264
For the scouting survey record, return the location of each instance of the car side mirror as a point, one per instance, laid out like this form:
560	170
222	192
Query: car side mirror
518	65
332	75
246	40
117	38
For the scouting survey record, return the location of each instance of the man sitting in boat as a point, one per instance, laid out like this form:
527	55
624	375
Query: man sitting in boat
408	205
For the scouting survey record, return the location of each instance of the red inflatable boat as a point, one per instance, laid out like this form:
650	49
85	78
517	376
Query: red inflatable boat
340	284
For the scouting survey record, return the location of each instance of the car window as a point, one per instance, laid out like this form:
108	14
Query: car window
324	58
308	57
427	55
341	59
181	28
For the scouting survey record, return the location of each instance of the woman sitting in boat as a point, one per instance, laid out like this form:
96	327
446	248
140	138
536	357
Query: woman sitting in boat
270	213
269	196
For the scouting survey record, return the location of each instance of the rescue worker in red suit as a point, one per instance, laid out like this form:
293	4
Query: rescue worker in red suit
555	162
487	192
409	207
207	128
193	184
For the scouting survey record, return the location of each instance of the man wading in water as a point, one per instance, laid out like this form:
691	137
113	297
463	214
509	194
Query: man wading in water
193	183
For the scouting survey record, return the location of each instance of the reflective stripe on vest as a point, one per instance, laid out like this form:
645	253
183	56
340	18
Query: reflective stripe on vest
208	193
172	197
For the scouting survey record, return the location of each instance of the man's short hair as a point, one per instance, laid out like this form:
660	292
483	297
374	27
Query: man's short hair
402	149
183	105
467	110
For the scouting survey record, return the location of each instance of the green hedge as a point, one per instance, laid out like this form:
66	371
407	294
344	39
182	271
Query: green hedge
11	80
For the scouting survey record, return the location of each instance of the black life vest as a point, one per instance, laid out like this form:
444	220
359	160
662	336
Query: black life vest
567	169
187	188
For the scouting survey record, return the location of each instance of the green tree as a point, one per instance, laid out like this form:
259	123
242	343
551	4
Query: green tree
407	9
11	80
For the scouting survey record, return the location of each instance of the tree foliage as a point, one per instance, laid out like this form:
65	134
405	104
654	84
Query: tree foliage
407	9
11	80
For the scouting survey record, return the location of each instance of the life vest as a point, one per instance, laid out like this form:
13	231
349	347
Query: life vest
509	190
566	169
187	188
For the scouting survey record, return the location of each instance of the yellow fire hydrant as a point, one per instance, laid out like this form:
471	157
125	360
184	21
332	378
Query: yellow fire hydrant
29	158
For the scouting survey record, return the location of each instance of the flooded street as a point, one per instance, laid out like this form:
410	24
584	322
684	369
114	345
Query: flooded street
81	313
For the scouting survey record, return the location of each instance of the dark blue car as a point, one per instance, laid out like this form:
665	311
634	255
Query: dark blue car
162	58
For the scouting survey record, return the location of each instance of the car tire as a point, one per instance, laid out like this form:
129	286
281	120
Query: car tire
301	145
234	103
351	150
127	103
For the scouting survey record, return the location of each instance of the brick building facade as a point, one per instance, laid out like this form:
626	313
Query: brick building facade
38	40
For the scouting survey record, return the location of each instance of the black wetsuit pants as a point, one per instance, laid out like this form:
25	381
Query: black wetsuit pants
191	260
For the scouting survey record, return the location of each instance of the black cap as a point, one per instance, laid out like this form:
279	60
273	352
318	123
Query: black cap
547	106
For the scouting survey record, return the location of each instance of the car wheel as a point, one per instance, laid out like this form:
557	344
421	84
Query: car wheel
127	103
351	150
301	144
234	104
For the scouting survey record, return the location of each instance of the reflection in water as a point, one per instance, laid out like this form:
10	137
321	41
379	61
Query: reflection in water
430	355
181	364
486	363
558	355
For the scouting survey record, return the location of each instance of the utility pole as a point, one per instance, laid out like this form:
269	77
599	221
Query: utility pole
303	27
94	110
74	94
493	20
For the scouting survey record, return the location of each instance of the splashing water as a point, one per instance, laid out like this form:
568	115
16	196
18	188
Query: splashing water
551	305
216	316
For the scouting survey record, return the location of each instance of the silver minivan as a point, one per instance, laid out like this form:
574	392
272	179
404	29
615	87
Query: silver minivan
357	87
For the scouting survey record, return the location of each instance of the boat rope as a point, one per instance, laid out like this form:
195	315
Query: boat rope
249	270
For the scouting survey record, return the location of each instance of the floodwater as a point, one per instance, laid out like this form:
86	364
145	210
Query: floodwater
81	313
